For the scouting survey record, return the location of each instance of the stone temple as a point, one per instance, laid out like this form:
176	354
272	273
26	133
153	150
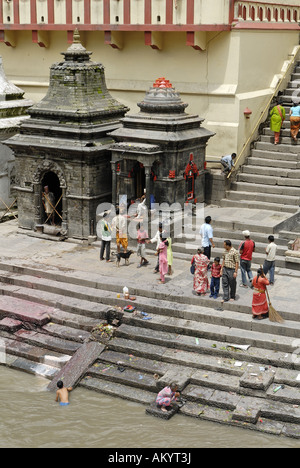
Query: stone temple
64	145
160	151
78	150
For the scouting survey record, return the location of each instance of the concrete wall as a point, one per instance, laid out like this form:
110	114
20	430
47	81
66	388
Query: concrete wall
235	71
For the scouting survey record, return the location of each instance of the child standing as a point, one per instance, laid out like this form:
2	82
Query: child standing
215	278
142	238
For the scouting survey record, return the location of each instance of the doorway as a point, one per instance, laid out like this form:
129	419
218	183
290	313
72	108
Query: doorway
139	179
51	181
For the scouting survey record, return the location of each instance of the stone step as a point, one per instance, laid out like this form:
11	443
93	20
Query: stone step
287	99
135	362
276	190
66	333
32	353
31	367
199	359
268	180
189	247
252	204
261	220
258	237
256	196
49	342
278	155
285	131
275	172
25	311
232	327
118	390
292	90
259	161
216	348
283	147
203	377
108	297
130	377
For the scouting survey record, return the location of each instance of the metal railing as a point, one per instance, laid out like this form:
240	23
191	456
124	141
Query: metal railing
265	112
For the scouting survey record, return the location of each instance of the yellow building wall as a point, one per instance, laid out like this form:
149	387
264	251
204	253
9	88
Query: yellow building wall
236	70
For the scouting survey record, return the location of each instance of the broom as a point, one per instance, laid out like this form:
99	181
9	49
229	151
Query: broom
274	316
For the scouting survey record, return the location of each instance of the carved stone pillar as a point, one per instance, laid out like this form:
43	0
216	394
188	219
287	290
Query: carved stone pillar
114	182
148	185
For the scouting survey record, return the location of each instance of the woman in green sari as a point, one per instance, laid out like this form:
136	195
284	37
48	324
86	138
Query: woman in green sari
277	117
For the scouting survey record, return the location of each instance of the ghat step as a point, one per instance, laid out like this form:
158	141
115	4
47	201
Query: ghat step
182	334
25	311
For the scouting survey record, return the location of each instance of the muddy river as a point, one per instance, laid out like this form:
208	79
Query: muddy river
30	418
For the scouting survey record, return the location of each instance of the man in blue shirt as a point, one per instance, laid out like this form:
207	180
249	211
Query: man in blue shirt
206	232
228	162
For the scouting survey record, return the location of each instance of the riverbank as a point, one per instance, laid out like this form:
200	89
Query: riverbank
31	419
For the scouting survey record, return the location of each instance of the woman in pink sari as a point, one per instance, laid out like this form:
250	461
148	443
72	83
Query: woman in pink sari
201	263
163	259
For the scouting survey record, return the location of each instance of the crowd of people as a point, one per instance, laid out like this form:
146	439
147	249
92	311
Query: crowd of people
227	268
117	225
209	275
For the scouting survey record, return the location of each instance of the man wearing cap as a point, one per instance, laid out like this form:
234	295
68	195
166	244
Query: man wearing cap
246	249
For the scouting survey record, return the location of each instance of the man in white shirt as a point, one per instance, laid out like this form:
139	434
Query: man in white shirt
119	227
206	233
269	264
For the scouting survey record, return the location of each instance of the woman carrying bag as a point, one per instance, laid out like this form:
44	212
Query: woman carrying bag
277	117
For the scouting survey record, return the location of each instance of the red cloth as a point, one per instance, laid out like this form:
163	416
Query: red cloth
260	304
247	249
216	270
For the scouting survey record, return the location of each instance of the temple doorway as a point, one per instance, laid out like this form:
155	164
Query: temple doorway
139	180
51	199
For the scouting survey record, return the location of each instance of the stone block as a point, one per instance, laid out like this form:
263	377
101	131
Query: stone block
78	365
154	410
248	410
179	376
26	311
257	379
10	325
197	394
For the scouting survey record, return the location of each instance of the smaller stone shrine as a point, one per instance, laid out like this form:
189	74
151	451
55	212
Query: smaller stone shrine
160	151
62	152
13	111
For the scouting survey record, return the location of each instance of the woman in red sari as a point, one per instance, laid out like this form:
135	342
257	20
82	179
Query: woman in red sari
260	306
200	276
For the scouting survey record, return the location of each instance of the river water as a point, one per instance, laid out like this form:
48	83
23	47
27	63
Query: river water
30	418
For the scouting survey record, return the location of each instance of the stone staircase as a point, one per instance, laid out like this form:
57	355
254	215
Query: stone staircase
271	176
172	337
264	199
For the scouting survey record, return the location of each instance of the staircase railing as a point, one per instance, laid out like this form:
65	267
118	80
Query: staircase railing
265	112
